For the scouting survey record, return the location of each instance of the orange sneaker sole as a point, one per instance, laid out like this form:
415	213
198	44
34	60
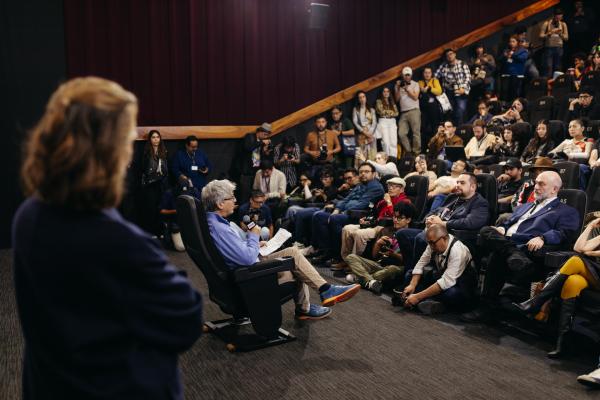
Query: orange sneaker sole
347	295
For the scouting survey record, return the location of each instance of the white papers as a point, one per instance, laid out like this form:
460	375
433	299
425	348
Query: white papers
275	243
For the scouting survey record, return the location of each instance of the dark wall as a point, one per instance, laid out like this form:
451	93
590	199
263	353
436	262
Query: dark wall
32	63
236	62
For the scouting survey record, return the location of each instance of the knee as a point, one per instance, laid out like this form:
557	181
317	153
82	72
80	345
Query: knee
351	257
573	265
573	286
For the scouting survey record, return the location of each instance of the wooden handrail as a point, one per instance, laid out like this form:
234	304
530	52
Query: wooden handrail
298	117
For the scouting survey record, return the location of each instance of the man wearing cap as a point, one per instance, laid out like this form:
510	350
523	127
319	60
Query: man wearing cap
584	106
407	94
515	246
455	76
356	237
508	183
256	147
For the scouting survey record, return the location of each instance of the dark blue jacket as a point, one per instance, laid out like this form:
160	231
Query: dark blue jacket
517	66
557	223
472	215
103	313
185	164
360	197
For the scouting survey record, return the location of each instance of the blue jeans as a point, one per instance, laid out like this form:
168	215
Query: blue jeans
584	174
457	296
412	243
459	107
438	200
552	60
327	231
302	221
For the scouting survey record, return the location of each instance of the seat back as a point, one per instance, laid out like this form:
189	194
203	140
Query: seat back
542	108
416	190
591	79
592	129
537	88
522	132
569	173
405	165
465	132
487	187
201	249
558	130
496	170
577	199
562	106
562	86
593	191
439	167
526	172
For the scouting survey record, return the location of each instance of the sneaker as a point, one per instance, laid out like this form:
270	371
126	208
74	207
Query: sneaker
315	311
592	379
338	294
431	307
374	286
308	251
351	278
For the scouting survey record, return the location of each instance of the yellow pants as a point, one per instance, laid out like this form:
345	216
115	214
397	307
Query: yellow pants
579	278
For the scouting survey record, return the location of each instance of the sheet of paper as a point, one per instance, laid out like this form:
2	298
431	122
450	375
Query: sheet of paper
275	243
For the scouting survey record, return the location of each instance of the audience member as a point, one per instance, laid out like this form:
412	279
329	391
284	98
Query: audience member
444	185
191	164
540	145
154	182
513	245
287	158
345	130
513	69
576	148
385	263
480	142
324	193
421	170
578	273
103	312
407	95
594	64
516	113
356	236
350	180
456	81
525	193
381	164
483	113
327	227
256	147
443	276
258	213
270	181
219	202
555	33
386	123
483	65
320	147
465	209
431	114
531	69
445	136
584	106
365	121
508	183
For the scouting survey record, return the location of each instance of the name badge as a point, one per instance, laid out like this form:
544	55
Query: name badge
194	168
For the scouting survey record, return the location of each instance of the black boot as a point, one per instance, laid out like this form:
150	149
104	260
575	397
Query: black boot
551	289
567	311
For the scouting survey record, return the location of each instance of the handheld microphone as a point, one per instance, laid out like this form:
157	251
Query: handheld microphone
249	223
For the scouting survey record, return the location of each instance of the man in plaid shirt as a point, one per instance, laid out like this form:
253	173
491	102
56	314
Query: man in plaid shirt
455	77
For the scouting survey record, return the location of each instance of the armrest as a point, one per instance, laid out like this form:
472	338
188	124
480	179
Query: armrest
262	268
555	259
355	215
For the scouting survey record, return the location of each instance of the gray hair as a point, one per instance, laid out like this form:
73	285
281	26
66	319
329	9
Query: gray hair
216	192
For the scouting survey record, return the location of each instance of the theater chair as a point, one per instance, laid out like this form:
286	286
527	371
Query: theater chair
537	88
558	130
542	108
569	174
593	191
405	165
250	294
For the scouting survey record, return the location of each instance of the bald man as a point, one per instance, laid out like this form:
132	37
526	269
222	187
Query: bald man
516	246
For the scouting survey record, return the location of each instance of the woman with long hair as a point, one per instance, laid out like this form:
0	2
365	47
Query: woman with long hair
513	71
154	182
540	145
386	125
365	121
103	312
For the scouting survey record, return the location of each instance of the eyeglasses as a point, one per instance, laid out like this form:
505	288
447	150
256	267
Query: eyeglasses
229	198
433	242
365	171
348	178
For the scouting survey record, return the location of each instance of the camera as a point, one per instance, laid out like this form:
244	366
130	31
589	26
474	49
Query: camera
384	248
403	83
323	152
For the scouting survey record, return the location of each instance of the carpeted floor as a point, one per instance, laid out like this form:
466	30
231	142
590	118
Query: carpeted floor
366	349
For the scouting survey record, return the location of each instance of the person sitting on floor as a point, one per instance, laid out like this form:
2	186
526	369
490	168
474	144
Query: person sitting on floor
578	273
444	275
257	212
386	261
356	236
513	245
465	209
219	202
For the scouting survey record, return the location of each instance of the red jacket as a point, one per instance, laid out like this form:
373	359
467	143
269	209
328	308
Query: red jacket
386	211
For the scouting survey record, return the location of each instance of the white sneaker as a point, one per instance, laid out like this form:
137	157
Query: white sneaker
592	379
298	245
350	278
307	251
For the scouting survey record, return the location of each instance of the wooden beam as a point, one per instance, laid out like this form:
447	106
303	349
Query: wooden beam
298	117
